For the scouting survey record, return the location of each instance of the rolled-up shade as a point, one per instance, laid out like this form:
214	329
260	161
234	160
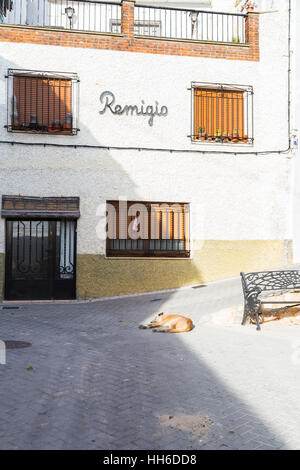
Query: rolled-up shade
219	113
37	207
159	227
42	103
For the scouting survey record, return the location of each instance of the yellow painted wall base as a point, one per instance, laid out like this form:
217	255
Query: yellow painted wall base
98	276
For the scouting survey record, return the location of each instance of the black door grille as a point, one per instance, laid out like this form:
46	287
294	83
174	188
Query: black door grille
40	259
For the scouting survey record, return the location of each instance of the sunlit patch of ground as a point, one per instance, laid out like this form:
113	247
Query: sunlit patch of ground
234	315
195	424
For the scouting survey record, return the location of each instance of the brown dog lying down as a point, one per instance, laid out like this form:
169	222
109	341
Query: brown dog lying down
164	323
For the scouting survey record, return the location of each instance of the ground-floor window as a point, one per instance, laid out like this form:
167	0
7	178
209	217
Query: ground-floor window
152	229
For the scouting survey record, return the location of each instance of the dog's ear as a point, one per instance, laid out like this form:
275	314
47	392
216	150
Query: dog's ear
160	314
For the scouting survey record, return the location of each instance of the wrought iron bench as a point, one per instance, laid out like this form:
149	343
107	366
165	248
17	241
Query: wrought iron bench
257	285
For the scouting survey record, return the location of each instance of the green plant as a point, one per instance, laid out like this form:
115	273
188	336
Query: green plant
218	136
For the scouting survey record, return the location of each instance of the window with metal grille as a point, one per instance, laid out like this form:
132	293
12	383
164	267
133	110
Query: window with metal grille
222	113
41	102
151	229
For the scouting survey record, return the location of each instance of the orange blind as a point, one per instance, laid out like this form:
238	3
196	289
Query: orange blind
128	224
167	222
218	112
45	101
155	221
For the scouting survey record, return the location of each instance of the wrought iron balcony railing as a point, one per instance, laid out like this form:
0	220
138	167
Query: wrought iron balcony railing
106	17
177	23
86	15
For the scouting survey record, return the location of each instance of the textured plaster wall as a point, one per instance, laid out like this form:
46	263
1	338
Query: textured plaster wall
165	79
296	102
239	217
213	259
230	197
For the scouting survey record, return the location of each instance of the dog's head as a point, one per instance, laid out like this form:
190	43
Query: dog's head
158	317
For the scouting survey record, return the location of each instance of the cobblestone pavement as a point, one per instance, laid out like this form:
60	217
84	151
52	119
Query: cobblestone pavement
90	379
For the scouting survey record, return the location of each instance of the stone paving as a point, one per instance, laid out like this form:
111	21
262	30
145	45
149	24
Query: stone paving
90	379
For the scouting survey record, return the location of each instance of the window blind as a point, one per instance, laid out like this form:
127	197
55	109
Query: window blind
220	115
42	104
147	229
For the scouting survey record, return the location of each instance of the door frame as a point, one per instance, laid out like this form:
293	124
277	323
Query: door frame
52	265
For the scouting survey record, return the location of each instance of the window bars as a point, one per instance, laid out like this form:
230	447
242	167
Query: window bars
41	102
63	14
147	229
222	113
178	23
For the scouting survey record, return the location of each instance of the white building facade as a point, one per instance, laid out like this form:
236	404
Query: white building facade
118	102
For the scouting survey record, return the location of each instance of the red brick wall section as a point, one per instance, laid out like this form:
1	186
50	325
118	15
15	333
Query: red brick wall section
127	20
127	42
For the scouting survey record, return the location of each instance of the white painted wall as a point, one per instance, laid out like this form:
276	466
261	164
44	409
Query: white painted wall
296	173
233	197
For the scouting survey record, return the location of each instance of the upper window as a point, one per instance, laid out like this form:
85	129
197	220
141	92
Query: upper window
42	102
222	114
147	229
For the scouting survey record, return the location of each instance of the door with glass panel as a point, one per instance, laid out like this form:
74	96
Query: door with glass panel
40	259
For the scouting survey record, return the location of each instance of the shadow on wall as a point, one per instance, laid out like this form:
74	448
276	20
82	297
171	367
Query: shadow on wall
95	175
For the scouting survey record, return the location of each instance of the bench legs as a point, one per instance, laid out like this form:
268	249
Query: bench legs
257	321
247	314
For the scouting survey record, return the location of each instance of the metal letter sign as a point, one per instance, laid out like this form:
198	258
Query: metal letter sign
107	99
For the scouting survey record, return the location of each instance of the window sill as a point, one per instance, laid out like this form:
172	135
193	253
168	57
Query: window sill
222	144
147	258
33	132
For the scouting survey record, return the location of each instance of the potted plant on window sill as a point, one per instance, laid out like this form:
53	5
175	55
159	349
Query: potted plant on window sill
201	134
218	136
56	127
235	136
225	137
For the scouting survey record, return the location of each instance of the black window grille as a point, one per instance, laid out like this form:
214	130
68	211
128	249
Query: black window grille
147	229
41	102
222	114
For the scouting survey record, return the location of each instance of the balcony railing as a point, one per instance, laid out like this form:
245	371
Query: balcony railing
105	17
86	15
177	23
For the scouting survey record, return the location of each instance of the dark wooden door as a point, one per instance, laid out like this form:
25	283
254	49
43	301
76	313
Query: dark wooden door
40	259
